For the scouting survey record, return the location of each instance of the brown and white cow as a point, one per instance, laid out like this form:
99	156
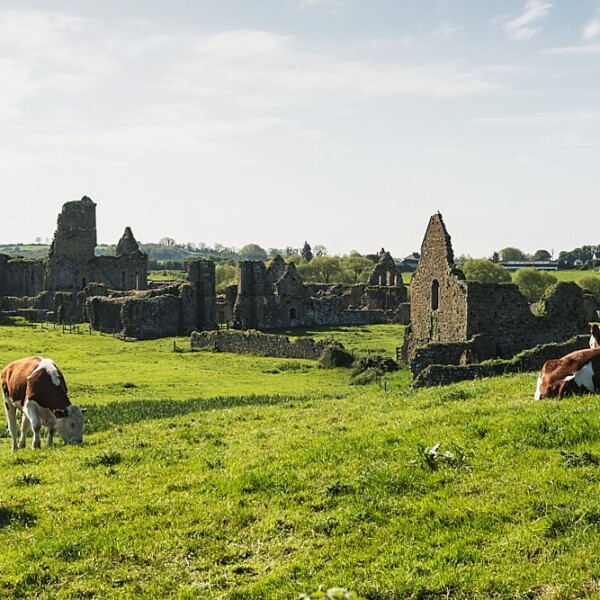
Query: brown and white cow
575	373
36	387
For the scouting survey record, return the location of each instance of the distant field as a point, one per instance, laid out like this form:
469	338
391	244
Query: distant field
166	275
218	476
377	339
574	275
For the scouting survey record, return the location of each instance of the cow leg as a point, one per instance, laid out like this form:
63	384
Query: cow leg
51	426
30	409
24	430
11	417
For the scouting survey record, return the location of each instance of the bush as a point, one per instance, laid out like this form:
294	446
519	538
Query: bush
591	284
377	363
335	355
485	271
533	284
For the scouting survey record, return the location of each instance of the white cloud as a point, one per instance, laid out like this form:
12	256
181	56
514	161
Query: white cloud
263	69
332	3
46	54
575	50
74	89
542	119
591	29
521	27
445	31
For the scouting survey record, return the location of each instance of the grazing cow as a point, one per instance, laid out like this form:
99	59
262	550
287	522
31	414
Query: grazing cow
36	387
575	373
595	336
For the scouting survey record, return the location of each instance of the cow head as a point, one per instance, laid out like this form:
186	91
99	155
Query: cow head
69	423
595	336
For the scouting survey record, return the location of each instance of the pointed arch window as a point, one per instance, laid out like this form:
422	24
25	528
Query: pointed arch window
435	294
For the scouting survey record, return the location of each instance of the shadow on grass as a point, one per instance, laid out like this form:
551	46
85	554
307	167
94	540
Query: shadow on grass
127	412
10	516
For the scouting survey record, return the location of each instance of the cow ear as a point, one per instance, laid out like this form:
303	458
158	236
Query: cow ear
83	410
59	413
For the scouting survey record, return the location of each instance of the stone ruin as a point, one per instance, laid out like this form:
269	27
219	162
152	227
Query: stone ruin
168	310
72	263
112	293
456	322
275	297
57	288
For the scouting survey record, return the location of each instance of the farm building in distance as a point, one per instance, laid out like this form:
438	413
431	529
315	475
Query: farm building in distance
539	265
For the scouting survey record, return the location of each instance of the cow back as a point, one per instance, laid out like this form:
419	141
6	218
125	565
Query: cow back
36	379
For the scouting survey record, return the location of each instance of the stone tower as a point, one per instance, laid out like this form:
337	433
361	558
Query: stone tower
438	292
253	284
201	273
71	259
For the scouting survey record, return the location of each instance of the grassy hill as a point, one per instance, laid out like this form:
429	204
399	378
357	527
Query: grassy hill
207	475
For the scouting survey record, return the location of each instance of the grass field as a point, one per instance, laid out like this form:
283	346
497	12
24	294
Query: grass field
207	475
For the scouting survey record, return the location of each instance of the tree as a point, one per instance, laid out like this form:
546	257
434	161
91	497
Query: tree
512	254
355	268
325	268
320	250
225	276
167	241
533	284
306	253
591	283
485	271
252	252
541	255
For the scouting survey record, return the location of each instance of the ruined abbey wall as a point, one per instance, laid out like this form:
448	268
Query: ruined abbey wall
261	344
275	297
458	322
72	263
21	276
176	309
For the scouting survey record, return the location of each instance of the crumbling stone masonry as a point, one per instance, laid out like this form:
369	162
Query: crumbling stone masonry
528	360
72	263
21	276
275	297
458	322
386	273
261	344
42	286
178	309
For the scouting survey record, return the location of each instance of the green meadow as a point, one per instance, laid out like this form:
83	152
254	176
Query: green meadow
208	475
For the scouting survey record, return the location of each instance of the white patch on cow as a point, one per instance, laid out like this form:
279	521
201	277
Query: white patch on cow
538	389
48	365
16	403
584	377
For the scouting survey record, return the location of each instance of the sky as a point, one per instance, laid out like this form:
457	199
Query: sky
344	123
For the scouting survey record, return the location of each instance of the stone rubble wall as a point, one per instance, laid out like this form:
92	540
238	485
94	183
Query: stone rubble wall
528	360
261	344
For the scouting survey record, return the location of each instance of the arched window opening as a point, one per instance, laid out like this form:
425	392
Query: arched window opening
435	294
